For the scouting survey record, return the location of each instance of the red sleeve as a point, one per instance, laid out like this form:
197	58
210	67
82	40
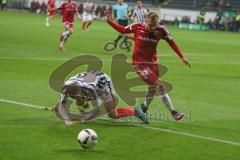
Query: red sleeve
121	29
175	47
168	38
75	8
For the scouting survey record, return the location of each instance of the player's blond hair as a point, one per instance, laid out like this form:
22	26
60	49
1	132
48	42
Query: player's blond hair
153	20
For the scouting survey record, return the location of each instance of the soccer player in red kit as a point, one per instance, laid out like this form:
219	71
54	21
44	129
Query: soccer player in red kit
50	11
146	37
69	9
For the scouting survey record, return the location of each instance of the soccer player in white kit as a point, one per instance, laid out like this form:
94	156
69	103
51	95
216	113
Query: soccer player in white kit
139	12
95	87
87	15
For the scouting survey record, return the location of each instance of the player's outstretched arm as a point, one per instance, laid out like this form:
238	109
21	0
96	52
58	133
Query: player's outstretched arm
119	28
91	115
177	50
77	13
61	110
168	38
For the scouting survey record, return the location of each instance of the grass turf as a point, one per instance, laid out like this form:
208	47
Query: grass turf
210	89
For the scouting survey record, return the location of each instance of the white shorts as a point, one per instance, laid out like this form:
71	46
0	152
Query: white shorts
87	16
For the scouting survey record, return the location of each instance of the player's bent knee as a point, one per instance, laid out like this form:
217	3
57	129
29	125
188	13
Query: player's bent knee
158	83
152	87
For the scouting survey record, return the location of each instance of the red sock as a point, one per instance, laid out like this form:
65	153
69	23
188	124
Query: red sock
125	112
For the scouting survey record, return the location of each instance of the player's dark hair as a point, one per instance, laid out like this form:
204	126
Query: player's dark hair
70	89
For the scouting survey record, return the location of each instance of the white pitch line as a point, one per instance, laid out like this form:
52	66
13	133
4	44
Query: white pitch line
190	135
35	58
138	125
23	104
110	60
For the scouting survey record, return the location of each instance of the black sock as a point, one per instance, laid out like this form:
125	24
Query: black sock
118	38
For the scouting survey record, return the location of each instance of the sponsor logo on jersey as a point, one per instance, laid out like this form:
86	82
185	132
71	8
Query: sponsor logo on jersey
147	39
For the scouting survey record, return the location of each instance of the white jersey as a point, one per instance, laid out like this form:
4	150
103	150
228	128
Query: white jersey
88	7
94	85
140	14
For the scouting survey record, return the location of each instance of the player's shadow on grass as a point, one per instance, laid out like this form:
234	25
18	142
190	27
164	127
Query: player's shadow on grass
112	123
79	151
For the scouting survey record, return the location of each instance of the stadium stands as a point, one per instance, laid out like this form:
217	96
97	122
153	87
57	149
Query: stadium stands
134	1
210	5
220	15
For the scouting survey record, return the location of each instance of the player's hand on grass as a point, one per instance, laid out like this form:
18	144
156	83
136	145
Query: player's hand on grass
108	15
186	62
70	123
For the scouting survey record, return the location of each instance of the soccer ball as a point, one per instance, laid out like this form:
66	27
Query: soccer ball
87	138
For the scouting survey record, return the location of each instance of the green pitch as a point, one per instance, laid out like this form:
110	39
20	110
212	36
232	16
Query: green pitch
208	93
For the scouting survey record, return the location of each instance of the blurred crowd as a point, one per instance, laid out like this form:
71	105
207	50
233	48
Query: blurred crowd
3	4
220	22
213	5
37	7
98	13
210	5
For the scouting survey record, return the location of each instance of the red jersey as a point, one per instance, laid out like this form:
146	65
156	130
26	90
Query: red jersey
51	4
69	9
145	50
146	42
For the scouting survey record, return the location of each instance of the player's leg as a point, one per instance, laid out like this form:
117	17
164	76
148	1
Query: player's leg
50	15
118	38
89	22
65	35
150	74
120	22
125	37
47	19
84	25
114	112
88	25
85	21
50	18
148	97
161	91
110	102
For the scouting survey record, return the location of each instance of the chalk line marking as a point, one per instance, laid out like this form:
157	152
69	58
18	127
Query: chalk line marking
138	125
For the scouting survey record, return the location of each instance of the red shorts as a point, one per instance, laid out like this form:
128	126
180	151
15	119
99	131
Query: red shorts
148	72
51	13
68	25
